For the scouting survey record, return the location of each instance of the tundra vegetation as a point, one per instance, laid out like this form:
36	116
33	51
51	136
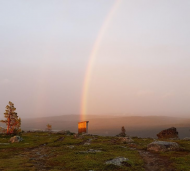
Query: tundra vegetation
65	151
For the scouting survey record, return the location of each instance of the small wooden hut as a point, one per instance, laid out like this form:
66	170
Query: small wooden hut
83	127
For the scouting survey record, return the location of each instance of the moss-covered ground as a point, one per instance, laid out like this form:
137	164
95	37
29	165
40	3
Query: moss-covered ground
50	151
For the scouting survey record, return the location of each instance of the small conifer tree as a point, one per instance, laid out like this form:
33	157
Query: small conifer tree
12	121
123	132
49	127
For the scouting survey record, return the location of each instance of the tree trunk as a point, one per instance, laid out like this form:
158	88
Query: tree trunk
8	126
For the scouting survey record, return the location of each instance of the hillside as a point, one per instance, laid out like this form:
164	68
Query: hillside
147	126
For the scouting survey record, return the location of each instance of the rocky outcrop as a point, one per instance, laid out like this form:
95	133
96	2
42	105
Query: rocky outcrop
117	161
15	139
163	146
168	133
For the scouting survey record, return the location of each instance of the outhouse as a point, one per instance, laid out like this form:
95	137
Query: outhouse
83	127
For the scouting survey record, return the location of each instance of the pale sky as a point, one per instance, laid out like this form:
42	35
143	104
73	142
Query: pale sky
142	66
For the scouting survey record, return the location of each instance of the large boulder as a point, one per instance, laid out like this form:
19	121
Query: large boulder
15	139
168	133
163	146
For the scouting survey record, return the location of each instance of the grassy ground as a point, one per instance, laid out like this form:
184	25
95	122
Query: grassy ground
46	151
180	159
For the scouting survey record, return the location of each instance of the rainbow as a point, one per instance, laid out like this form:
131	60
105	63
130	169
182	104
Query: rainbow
92	58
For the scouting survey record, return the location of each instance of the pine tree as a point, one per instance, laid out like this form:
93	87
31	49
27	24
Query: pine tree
49	127
123	132
12	121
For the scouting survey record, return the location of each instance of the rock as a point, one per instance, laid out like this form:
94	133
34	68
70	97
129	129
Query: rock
125	139
168	133
90	151
117	161
96	151
15	139
86	134
187	139
71	146
90	140
86	144
76	135
163	146
4	143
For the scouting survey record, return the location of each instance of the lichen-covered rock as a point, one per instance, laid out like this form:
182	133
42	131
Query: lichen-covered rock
187	139
168	133
71	146
125	139
163	146
87	143
86	134
117	161
76	135
4	143
89	151
15	139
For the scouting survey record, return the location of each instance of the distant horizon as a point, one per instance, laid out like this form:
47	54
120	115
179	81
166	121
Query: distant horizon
143	126
109	115
101	115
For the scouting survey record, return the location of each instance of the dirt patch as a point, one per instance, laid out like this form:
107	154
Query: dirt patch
154	162
60	139
38	156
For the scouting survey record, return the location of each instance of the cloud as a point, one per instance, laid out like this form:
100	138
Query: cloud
5	81
145	93
168	95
